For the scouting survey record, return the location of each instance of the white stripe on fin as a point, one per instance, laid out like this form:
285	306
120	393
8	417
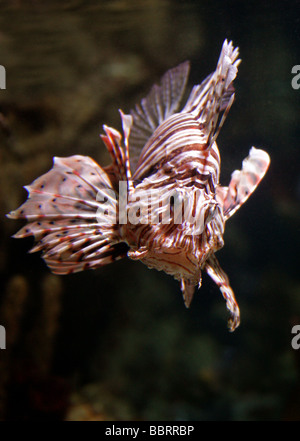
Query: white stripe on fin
244	182
72	214
216	273
215	94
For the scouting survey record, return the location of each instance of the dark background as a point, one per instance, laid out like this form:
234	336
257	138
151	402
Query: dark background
117	343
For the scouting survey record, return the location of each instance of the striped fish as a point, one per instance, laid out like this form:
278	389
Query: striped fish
160	200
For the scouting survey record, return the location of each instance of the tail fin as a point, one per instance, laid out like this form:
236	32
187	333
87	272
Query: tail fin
215	94
72	213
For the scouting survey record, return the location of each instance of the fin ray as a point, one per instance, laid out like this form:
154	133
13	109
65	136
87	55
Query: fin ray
162	102
72	213
216	273
244	182
215	94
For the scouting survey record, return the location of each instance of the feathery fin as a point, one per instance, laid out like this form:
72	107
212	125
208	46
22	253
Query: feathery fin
71	211
214	270
244	182
162	102
215	94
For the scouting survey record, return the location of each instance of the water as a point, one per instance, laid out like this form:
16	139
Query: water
120	338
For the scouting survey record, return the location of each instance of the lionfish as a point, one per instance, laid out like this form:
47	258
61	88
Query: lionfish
82	217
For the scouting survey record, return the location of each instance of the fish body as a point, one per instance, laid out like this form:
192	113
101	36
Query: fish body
160	200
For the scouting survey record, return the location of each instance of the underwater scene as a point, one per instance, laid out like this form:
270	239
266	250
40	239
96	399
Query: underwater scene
113	317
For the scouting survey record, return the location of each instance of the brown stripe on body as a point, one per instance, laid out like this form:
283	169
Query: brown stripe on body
174	125
179	160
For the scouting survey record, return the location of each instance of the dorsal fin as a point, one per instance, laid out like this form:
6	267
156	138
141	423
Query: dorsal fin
215	94
162	102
